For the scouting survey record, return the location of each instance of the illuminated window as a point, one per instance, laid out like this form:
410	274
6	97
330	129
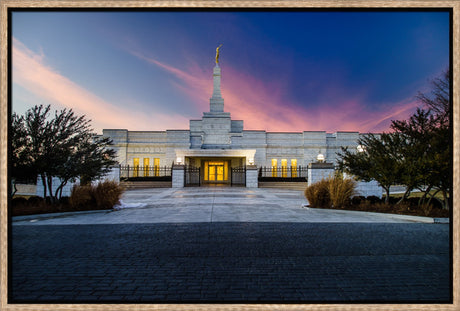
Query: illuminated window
136	167
146	167
293	167
206	170
283	168
274	167
156	166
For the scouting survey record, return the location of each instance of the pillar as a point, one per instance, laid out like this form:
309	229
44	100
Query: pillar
318	171
178	176
252	175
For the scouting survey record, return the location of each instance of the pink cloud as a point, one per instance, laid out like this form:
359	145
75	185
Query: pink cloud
31	72
264	105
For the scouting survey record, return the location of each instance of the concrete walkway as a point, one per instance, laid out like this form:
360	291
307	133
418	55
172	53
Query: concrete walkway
214	204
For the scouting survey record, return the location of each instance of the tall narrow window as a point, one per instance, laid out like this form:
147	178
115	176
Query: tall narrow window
225	170
156	166
206	170
136	167
293	167
146	167
274	168
283	167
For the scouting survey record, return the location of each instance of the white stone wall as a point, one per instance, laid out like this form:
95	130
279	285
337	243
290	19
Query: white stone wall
66	191
113	175
26	189
316	174
252	177
369	188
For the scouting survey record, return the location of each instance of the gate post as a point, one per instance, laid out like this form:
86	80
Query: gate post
178	176
318	171
252	176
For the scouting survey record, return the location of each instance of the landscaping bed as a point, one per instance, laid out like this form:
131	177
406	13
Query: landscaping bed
103	196
404	208
339	193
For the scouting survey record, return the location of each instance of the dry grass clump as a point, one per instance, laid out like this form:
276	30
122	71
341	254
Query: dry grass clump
104	195
317	194
331	192
107	194
341	190
82	197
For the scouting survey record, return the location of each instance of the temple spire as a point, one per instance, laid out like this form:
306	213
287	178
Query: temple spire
216	101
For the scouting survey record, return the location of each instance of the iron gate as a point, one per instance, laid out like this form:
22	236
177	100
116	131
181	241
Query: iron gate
238	176
192	176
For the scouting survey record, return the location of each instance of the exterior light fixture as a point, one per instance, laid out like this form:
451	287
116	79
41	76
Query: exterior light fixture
179	160
360	148
251	161
320	158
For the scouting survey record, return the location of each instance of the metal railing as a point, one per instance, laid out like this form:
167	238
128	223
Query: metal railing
238	177
192	176
153	172
283	173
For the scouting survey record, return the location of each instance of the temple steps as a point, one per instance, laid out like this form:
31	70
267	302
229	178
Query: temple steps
128	185
284	185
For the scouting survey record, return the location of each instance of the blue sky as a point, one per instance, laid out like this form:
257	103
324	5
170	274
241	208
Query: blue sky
281	71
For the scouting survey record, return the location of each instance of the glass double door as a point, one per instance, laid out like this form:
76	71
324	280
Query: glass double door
216	171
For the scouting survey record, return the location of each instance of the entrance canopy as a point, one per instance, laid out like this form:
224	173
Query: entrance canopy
246	154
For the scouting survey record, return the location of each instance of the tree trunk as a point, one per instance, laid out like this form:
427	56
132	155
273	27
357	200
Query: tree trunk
387	197
58	192
446	200
15	189
44	185
425	194
405	195
50	188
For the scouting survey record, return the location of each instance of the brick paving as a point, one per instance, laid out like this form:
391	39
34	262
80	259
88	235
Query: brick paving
266	262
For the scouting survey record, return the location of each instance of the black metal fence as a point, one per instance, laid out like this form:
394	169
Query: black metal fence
145	173
238	177
192	176
284	173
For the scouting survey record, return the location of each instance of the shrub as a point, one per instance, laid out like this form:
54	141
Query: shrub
341	190
19	202
373	199
102	196
356	200
436	203
82	197
35	200
317	194
64	201
107	194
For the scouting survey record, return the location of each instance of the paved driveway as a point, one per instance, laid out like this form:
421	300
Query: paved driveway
245	246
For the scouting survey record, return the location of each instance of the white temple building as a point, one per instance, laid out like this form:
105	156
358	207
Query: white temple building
217	144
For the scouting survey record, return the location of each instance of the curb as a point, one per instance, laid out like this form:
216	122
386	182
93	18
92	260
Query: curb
55	215
441	220
421	219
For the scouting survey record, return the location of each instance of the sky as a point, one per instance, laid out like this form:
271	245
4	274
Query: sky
281	70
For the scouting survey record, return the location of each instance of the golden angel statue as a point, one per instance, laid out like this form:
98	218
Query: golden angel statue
217	54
